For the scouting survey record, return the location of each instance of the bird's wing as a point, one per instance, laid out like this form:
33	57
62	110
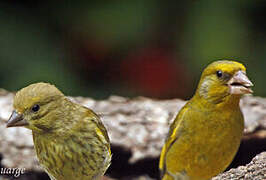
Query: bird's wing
172	136
103	129
100	125
102	133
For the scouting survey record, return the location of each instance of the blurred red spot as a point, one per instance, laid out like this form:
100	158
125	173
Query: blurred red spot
155	73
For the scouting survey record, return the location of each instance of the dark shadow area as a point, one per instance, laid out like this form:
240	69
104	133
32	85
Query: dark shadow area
120	162
122	169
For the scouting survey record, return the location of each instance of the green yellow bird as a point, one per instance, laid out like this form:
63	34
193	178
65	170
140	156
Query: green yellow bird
70	140
206	133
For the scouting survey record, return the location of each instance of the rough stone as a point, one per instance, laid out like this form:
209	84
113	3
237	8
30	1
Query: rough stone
137	126
255	170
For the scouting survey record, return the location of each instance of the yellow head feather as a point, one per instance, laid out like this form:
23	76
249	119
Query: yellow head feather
33	94
214	89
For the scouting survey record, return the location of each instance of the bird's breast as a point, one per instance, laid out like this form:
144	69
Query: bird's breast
208	143
83	157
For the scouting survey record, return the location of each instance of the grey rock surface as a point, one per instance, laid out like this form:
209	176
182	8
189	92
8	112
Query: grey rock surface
255	170
139	125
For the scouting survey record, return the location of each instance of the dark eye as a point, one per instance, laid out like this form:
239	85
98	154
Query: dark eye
35	108
219	74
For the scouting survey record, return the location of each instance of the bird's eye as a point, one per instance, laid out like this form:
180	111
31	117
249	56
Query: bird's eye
35	108
219	74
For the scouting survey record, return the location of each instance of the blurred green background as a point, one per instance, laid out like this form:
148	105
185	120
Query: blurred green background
131	48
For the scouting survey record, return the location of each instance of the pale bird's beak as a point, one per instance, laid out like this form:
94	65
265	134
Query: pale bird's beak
240	84
16	119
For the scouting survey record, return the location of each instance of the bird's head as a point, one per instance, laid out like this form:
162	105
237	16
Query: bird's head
222	80
35	107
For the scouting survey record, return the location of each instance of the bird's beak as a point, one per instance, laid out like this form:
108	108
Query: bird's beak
240	84
16	119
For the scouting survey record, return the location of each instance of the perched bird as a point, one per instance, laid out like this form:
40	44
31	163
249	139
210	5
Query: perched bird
70	140
206	133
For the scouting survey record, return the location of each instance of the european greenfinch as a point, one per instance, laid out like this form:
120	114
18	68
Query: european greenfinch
206	133
70	140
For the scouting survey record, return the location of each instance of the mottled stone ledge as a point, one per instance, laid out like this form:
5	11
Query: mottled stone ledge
137	128
255	170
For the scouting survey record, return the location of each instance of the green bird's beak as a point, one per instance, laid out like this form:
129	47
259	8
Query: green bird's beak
16	119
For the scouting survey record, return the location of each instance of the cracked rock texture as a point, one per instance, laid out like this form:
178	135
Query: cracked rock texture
255	170
137	128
